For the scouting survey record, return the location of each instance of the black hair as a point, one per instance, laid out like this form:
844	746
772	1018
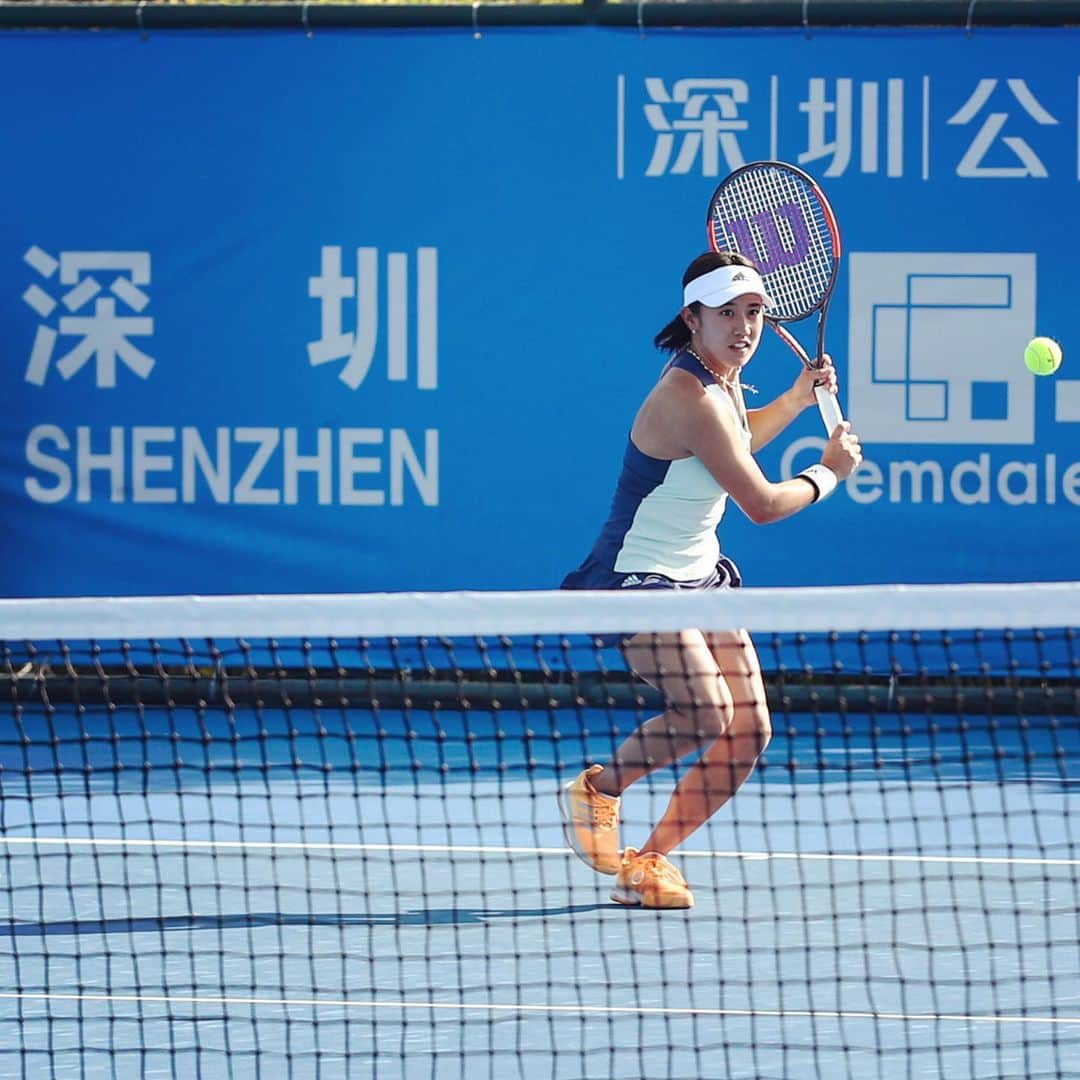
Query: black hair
676	335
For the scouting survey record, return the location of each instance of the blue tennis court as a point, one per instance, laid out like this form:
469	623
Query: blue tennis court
255	901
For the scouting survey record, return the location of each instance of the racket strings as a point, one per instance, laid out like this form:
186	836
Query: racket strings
767	194
796	289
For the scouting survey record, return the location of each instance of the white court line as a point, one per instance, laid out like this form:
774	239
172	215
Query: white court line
518	1007
560	852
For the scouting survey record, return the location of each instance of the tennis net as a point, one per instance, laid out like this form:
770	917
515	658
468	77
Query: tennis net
318	836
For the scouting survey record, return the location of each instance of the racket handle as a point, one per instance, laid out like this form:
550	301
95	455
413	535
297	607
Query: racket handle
829	407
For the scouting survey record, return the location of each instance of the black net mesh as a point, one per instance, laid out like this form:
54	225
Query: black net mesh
345	856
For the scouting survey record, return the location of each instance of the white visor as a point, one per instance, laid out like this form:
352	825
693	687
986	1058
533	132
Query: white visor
720	286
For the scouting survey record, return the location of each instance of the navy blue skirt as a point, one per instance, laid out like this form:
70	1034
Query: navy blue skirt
594	575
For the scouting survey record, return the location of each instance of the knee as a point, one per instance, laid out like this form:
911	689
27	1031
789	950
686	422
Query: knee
747	734
706	721
754	727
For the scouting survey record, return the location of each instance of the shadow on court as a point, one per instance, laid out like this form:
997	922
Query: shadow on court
421	917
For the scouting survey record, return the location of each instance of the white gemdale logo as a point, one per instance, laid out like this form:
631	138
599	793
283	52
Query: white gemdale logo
934	341
103	333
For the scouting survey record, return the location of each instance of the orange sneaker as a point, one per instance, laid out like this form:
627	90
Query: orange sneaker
649	880
591	822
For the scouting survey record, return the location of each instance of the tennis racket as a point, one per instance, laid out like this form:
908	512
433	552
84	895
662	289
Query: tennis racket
776	215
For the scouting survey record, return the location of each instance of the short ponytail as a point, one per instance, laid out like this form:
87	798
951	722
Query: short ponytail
676	335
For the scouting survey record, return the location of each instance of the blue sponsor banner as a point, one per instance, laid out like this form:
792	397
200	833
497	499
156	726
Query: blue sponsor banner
373	310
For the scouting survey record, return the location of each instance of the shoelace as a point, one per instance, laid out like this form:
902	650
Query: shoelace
605	814
657	865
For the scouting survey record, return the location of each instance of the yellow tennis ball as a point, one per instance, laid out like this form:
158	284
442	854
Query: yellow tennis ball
1042	355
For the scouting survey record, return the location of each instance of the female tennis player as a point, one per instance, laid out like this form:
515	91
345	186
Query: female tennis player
691	446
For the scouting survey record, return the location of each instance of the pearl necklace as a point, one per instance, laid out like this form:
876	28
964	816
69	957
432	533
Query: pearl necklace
725	381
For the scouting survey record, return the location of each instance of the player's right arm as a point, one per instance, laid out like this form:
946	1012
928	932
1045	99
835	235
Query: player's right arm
710	433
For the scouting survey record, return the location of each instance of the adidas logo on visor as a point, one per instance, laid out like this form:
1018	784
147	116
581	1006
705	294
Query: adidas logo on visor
740	276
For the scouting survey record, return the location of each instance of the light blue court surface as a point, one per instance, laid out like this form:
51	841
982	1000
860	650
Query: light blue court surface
865	913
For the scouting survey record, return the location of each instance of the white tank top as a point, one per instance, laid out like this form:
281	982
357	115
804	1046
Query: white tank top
665	514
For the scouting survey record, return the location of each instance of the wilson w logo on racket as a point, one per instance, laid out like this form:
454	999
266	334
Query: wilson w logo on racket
772	238
778	217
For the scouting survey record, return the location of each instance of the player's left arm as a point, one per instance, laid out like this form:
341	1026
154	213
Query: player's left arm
768	421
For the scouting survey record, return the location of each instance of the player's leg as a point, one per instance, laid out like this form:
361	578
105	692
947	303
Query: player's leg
699	711
728	761
682	666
